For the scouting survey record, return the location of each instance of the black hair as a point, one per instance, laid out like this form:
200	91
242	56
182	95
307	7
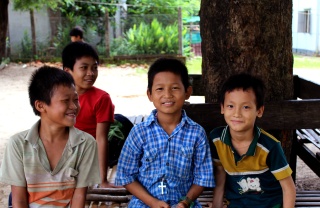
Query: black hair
76	31
168	65
44	81
244	81
77	50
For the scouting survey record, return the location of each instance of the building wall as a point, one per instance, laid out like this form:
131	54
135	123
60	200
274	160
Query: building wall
19	22
306	43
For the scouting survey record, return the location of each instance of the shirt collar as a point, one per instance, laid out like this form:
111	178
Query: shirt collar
153	118
226	138
76	137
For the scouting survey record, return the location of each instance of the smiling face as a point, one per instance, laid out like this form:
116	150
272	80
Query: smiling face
168	93
63	109
240	110
84	73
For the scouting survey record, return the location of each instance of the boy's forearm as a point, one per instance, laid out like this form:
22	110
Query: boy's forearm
79	197
218	193
136	189
102	156
102	143
194	192
19	197
289	192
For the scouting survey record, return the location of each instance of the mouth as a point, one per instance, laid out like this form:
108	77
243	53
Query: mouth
236	121
73	114
168	103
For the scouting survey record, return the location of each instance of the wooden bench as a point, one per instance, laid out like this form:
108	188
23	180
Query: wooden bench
300	116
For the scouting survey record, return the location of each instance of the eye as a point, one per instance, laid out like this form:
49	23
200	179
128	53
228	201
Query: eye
246	107
159	89
175	88
230	106
84	67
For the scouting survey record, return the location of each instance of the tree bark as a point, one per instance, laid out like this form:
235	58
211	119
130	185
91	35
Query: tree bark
3	27
248	36
33	33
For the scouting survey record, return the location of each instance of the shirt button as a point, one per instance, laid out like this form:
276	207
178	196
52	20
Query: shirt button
167	164
169	139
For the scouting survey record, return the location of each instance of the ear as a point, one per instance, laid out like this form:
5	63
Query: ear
222	108
149	95
188	92
67	69
260	112
40	106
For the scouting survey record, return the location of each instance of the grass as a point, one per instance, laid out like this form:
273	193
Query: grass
304	62
194	65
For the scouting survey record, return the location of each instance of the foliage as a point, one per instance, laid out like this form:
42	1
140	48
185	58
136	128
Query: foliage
121	46
62	37
154	38
26	46
188	7
92	13
25	5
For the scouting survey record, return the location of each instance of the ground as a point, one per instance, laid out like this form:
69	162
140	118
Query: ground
127	87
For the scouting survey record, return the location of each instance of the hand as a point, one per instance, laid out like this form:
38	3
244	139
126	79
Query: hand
181	205
160	204
106	184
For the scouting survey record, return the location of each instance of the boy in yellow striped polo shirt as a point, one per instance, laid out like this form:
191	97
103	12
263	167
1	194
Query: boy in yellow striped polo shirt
251	168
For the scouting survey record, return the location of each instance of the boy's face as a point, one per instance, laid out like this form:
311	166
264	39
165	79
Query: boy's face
63	109
75	38
168	93
84	73
240	110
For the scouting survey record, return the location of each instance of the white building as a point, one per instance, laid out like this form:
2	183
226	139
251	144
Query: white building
306	27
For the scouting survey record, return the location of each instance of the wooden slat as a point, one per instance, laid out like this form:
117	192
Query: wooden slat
306	89
303	89
308	158
103	197
287	115
110	191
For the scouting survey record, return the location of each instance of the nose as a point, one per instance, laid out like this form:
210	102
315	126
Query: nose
237	112
90	72
74	105
168	93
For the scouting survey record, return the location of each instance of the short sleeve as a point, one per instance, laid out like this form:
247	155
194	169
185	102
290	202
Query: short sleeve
277	162
104	109
89	173
12	167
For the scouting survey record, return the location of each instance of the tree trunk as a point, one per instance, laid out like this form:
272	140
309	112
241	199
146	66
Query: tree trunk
54	19
248	36
33	33
3	27
106	35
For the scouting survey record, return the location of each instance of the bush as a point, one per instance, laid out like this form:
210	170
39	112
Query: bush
153	38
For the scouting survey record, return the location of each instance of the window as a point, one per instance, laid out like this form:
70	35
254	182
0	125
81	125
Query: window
304	21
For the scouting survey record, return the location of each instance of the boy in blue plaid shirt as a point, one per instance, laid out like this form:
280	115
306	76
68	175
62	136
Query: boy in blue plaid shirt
166	160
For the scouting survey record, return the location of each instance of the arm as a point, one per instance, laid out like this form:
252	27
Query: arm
19	197
79	197
220	178
141	193
289	192
193	193
102	142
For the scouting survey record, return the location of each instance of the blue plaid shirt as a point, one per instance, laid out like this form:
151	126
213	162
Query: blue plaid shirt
176	161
